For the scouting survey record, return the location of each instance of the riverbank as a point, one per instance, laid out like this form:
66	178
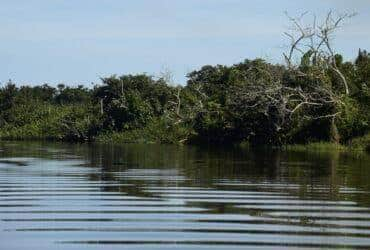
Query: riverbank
156	135
357	145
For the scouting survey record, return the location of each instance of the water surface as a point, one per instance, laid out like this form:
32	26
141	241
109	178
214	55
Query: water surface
63	196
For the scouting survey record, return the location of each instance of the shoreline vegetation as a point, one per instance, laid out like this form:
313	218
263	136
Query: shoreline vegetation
315	100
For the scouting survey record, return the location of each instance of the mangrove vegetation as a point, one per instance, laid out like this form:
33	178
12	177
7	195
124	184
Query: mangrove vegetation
314	96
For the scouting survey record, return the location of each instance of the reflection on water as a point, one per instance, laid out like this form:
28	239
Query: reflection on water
61	196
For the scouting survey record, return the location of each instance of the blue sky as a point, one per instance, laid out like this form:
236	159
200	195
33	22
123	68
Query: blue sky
74	42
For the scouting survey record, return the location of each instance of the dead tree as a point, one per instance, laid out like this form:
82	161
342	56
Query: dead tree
178	113
174	109
285	102
280	106
315	38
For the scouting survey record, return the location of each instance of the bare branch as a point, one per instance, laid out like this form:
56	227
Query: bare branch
317	38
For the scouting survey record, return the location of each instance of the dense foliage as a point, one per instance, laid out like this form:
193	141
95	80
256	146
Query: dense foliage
252	101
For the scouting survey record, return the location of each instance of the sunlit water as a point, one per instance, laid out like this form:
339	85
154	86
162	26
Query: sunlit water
61	196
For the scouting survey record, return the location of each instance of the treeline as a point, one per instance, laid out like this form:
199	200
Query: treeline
251	101
316	96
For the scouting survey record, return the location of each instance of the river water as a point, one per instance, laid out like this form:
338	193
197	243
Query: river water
67	196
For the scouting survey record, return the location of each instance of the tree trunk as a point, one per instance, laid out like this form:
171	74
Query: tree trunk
101	106
334	134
